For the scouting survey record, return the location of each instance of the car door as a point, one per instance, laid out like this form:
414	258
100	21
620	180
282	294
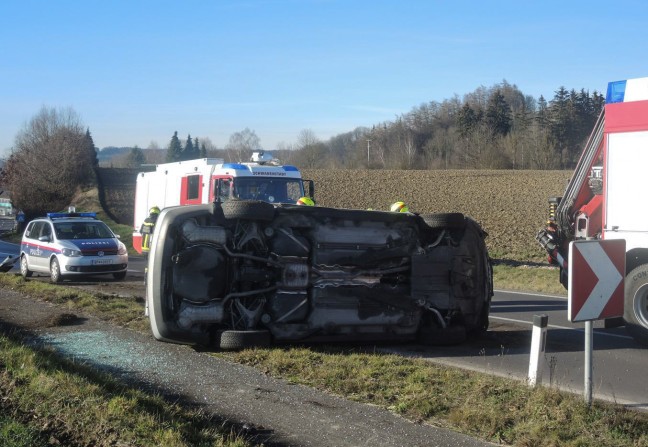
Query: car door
47	242
33	248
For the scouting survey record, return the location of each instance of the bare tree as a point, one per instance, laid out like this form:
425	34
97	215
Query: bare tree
49	162
241	144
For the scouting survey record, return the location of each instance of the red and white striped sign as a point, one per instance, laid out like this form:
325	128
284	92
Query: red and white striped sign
596	273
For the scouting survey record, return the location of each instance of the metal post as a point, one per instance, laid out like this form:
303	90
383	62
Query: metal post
589	347
368	144
538	345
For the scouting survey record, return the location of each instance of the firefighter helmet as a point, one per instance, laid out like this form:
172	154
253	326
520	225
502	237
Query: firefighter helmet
399	207
305	201
154	210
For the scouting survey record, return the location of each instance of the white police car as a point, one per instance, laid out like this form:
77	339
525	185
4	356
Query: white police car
71	244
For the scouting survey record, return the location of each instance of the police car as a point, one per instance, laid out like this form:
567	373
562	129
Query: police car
64	245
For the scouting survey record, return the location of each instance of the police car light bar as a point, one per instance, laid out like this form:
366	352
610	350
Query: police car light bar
64	215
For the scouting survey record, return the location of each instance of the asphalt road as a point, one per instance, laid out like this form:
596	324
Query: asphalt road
619	363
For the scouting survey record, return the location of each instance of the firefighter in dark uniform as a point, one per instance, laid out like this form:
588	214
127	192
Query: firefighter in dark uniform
146	230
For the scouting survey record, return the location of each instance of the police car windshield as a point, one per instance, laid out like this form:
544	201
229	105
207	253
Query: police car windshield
273	190
82	230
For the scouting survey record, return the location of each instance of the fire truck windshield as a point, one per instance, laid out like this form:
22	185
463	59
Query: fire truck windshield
273	190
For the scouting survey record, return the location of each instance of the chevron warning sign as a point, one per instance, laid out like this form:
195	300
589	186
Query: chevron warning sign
596	273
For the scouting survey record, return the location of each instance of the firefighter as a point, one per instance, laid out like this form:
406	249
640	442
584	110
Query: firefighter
147	229
306	201
399	207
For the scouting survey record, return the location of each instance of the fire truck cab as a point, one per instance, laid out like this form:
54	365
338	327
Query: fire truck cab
209	180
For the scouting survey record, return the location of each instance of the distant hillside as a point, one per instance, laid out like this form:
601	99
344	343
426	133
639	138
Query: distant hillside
107	153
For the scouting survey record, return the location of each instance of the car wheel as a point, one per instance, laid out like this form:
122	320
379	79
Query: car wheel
55	271
248	210
234	340
444	220
24	267
119	275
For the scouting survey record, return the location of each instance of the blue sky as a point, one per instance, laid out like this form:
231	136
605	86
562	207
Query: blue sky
136	71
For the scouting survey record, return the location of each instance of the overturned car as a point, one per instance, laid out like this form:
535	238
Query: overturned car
244	273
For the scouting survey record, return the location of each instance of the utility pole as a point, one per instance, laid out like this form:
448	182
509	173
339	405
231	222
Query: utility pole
368	145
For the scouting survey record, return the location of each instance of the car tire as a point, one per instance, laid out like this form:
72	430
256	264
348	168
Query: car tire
24	267
119	275
444	220
55	271
235	340
248	210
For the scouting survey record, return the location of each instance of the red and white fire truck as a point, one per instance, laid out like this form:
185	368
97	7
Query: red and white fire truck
603	199
208	180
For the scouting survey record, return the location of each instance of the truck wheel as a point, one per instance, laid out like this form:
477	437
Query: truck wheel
234	340
248	210
635	309
444	220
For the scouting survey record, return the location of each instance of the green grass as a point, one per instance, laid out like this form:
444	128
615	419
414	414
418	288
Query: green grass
47	400
487	407
125	311
490	408
528	279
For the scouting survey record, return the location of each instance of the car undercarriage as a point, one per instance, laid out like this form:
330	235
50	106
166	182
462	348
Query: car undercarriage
245	273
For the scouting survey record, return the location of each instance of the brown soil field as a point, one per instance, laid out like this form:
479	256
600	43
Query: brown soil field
510	205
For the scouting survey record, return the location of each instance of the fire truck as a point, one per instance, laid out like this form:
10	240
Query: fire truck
603	199
209	180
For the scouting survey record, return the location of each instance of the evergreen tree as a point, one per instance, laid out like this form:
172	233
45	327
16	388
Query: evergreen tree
174	152
135	157
188	151
467	120
498	115
203	151
91	149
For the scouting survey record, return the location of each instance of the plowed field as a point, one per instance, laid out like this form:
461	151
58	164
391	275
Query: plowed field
510	205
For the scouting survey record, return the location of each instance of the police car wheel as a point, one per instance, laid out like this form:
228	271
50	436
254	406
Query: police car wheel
55	271
24	267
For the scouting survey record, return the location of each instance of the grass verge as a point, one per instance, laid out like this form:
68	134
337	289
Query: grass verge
46	400
487	407
528	279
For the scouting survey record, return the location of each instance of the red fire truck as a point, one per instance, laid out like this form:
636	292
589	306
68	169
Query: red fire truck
603	199
207	180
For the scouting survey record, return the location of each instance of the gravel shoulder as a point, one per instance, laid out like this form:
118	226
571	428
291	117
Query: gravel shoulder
275	412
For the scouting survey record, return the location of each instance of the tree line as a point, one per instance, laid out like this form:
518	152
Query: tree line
490	128
498	127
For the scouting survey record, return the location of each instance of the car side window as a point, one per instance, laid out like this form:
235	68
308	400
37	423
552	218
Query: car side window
33	230
47	230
